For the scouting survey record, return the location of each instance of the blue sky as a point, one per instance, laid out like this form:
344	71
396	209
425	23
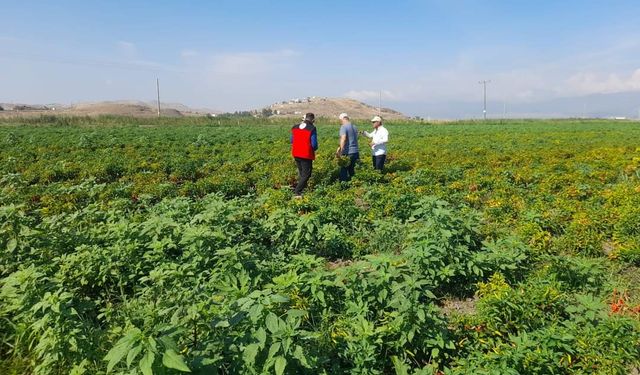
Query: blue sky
232	55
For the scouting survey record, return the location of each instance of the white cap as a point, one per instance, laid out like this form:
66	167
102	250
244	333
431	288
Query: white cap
343	116
376	119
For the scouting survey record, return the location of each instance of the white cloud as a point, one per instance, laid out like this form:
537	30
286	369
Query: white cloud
591	83
189	53
128	49
251	63
371	95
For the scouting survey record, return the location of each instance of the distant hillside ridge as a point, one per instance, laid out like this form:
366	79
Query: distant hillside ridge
127	108
329	107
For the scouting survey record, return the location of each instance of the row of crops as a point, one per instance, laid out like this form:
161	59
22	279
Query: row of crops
166	246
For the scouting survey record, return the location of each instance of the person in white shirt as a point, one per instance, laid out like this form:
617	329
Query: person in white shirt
379	138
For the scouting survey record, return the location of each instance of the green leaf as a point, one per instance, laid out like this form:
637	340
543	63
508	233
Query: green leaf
278	298
255	312
261	335
153	343
320	296
281	363
450	345
296	313
382	295
273	350
430	294
286	343
222	324
121	348
249	354
272	322
173	360
12	244
146	363
168	342
79	368
400	367
133	353
298	353
435	352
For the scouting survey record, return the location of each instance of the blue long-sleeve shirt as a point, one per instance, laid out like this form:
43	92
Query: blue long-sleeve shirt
314	140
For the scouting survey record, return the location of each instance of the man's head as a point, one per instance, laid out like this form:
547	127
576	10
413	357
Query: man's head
310	117
376	121
344	118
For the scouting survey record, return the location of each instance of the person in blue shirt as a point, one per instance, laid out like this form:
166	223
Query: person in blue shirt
348	147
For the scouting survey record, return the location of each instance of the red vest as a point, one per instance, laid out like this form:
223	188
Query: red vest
301	142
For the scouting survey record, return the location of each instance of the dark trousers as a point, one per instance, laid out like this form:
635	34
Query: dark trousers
347	172
304	172
378	161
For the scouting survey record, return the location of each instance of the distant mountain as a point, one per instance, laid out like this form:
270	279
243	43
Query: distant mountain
135	109
182	108
153	105
329	107
118	108
624	104
24	107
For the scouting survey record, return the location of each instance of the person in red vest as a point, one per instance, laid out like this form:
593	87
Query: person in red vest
304	143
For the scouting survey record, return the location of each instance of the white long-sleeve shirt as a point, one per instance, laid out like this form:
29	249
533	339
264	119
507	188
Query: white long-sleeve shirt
379	138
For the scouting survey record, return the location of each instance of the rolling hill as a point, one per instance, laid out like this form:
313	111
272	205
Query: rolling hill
330	107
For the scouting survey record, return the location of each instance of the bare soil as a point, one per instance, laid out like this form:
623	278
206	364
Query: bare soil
456	306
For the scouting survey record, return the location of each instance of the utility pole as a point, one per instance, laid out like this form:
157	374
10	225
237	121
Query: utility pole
380	104
484	84
158	91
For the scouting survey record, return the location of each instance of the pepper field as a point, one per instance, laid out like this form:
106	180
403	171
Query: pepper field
162	246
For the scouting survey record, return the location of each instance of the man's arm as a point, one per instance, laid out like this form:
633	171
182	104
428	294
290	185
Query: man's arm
343	142
314	140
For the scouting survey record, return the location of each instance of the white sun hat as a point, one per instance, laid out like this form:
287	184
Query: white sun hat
343	116
376	119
